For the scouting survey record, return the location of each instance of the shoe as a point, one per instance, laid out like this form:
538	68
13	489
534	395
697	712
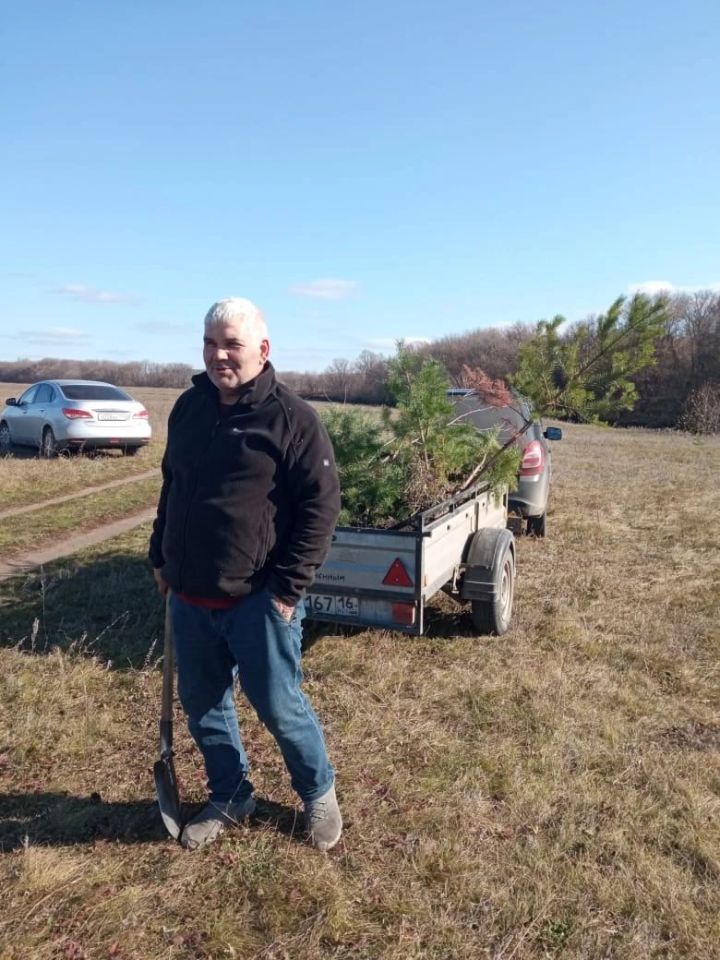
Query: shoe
323	821
212	820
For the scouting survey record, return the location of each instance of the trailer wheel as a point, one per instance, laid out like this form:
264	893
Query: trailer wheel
493	616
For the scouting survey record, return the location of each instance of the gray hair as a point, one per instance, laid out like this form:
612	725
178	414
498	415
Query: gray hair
238	309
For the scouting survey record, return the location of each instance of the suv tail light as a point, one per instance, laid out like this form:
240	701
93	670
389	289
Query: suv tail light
140	415
533	461
73	414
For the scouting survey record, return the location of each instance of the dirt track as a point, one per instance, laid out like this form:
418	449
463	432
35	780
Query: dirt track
45	555
30	507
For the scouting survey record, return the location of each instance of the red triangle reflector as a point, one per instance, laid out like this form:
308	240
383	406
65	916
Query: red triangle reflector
397	575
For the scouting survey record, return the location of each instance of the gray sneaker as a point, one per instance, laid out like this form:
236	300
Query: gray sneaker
323	821
212	820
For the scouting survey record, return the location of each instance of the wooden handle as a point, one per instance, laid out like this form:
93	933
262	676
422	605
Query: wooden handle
166	713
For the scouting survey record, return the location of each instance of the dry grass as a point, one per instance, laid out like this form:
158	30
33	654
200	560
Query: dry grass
552	793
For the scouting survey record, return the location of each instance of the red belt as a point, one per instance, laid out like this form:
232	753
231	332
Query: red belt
211	603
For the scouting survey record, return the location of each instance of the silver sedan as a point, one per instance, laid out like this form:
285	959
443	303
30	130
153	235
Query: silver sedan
56	415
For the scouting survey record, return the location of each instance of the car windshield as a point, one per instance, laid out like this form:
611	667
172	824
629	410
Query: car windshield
93	391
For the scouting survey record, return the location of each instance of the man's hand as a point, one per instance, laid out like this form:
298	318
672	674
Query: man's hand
286	610
162	585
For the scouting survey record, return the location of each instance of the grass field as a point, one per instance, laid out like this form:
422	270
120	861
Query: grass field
553	793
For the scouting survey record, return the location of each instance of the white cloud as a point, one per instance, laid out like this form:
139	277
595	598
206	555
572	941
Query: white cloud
53	336
327	289
82	294
653	287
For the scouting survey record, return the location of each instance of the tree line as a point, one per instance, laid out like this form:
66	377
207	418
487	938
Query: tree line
679	387
138	373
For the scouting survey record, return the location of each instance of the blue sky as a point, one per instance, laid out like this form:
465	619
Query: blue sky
364	172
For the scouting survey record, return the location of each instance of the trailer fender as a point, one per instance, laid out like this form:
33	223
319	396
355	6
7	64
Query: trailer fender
483	561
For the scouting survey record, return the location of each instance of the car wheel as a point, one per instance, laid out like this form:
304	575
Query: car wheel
5	439
131	451
48	444
537	526
493	616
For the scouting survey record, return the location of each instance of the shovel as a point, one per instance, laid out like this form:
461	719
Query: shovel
166	784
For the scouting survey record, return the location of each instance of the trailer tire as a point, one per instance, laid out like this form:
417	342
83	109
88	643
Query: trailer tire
491	559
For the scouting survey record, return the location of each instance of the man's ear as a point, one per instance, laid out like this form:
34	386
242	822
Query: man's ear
264	350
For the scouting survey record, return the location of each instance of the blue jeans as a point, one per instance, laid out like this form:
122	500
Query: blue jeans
254	642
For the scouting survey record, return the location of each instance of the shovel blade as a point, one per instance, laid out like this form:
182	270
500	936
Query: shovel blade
166	787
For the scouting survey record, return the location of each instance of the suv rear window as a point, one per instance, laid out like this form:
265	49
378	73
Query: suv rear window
93	391
484	417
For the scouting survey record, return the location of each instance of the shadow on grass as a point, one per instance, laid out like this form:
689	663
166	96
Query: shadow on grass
60	819
448	620
106	606
315	631
448	623
22	453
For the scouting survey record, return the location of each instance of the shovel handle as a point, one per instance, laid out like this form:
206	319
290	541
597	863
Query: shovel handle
166	713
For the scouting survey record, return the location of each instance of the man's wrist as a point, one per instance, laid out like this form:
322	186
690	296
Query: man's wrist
285	608
283	603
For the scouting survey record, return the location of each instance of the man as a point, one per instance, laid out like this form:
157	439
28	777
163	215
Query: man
248	505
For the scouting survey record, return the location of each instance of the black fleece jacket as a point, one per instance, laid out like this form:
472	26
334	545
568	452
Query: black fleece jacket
249	500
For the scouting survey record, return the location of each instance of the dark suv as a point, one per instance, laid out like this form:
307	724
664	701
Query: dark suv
529	500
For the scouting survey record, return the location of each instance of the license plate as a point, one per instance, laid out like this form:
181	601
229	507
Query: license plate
335	605
113	416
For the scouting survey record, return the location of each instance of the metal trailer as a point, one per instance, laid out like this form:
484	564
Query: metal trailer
384	578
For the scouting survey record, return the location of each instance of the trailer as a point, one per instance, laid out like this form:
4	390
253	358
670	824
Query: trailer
384	578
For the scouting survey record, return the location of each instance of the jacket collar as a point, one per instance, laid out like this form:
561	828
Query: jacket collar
253	392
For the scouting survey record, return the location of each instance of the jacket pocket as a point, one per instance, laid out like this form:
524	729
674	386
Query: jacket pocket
263	540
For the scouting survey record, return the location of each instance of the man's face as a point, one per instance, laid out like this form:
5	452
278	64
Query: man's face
233	355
